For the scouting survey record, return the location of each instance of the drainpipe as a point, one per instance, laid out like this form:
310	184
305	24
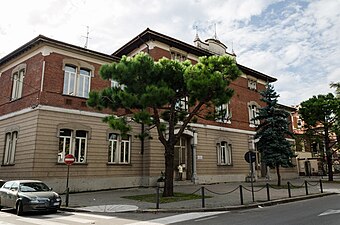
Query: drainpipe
194	157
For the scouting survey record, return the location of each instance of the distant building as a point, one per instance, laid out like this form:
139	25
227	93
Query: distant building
44	86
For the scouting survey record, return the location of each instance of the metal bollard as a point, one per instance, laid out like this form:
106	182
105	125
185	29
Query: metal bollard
289	192
241	195
157	196
67	196
321	188
268	195
306	187
203	198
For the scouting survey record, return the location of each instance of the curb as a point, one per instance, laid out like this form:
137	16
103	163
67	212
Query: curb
214	209
238	207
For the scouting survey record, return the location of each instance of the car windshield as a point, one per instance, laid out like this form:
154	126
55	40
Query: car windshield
33	187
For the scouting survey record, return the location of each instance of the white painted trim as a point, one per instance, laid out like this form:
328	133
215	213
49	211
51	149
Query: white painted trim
102	115
228	129
47	50
42	77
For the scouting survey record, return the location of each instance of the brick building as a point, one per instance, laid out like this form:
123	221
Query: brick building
44	86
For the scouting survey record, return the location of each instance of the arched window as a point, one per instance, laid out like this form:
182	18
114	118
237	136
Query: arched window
10	147
73	140
119	148
77	78
18	75
253	109
224	152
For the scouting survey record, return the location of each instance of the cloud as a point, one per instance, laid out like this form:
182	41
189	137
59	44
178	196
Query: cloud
297	42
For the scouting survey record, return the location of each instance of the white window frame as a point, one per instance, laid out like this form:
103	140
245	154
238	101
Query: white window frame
77	82
17	84
252	84
182	104
226	116
10	147
115	84
75	143
178	56
224	153
83	83
253	110
119	151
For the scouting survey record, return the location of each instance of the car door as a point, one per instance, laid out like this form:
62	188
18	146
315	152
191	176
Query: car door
13	195
4	194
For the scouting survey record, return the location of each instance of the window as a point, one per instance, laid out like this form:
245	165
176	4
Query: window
252	84
224	153
72	142
299	123
223	113
177	56
253	112
115	84
84	83
10	147
17	82
119	149
182	104
77	83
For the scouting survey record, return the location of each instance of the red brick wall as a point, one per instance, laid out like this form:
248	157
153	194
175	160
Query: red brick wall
52	94
31	86
239	102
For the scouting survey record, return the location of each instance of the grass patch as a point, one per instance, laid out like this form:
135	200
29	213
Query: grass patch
176	198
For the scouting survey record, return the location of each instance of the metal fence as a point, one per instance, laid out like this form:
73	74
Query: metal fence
260	193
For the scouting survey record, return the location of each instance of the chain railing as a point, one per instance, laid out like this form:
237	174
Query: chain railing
204	190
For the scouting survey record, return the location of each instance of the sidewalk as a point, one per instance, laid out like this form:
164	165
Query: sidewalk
223	196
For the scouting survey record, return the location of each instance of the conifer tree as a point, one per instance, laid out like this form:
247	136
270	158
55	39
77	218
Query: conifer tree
272	132
152	94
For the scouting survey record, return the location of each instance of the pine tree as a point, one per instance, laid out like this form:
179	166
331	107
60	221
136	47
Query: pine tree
152	93
272	132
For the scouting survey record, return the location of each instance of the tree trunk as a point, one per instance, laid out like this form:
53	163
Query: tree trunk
328	154
278	175
169	172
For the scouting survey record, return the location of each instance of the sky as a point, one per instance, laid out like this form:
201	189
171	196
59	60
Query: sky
295	41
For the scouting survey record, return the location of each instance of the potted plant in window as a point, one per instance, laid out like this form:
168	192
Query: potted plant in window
161	180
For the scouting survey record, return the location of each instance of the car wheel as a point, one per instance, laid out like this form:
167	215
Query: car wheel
19	208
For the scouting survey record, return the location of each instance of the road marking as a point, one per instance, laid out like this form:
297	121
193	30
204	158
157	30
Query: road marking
177	218
330	212
39	221
111	208
207	218
5	223
94	216
70	217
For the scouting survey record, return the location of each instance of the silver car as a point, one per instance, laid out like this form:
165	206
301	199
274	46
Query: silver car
28	195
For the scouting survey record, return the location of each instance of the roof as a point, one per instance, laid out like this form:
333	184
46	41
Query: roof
43	39
286	107
149	35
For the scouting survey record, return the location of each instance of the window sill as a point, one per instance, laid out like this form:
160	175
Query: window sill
75	96
224	165
75	163
118	164
4	165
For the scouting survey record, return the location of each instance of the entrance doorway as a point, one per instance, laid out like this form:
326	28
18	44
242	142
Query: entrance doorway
183	157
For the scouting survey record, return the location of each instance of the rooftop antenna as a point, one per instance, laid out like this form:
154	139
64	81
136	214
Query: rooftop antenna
87	36
232	48
215	36
196	37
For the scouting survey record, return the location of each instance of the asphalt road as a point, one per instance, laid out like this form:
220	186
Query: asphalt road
319	211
